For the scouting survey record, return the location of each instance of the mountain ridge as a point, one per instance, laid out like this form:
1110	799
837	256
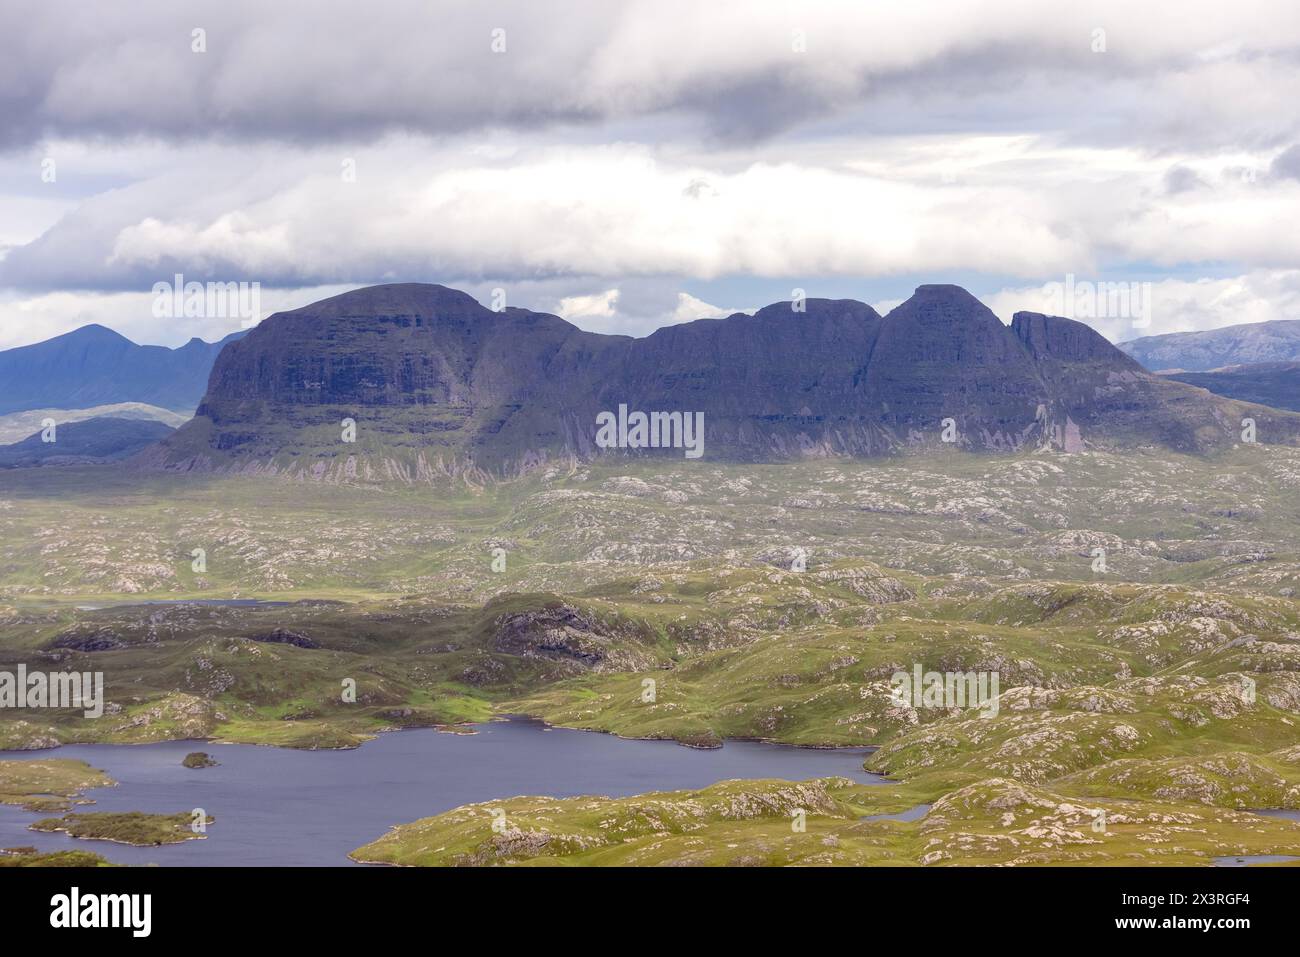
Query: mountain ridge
94	365
1277	340
439	387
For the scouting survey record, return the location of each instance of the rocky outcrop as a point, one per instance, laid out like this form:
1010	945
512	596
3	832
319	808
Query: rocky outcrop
568	635
101	639
283	636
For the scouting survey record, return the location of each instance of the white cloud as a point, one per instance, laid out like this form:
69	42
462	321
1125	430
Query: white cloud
690	308
600	305
419	212
566	211
1178	305
618	154
650	305
24	320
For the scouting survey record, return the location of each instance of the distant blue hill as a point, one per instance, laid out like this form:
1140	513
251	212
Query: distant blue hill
94	366
101	439
1246	344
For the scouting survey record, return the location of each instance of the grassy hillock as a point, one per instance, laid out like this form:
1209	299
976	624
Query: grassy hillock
52	784
821	822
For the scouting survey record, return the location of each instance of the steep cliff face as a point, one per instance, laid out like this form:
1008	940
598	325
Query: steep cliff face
436	385
1052	339
1105	396
782	383
1089	380
943	355
434	381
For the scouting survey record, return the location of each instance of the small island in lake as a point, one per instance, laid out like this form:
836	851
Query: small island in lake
131	827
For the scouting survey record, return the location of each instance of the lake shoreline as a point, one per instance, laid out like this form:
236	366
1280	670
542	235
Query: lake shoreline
313	807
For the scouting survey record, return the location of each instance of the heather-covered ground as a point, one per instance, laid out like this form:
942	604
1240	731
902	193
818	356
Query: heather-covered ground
1139	610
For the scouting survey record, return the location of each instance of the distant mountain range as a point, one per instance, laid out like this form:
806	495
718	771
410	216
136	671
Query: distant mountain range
436	385
1249	343
94	366
1268	383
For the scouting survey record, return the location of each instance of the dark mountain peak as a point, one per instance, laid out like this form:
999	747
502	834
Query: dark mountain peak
418	299
817	308
453	364
942	290
943	310
934	296
1065	340
412	308
943	354
946	324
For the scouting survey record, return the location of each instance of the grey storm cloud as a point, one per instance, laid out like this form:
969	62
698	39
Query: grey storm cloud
1180	179
1287	163
321	70
593	144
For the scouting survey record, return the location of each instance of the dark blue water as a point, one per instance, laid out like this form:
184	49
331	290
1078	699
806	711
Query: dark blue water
275	806
1247	860
911	814
1284	813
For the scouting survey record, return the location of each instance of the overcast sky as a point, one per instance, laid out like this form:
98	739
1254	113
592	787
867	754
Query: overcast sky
632	164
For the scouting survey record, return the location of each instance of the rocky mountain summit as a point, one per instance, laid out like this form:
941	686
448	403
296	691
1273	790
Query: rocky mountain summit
416	382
